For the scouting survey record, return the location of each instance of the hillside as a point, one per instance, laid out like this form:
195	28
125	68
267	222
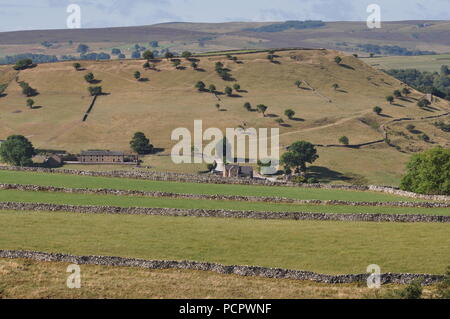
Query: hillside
168	100
205	37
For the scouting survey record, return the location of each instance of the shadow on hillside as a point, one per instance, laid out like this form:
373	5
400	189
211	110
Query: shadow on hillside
384	115
37	107
326	175
3	95
95	81
271	115
404	99
200	70
157	150
400	105
298	119
347	66
415	131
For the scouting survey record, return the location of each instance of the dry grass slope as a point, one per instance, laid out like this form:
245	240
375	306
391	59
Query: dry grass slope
31	279
168	100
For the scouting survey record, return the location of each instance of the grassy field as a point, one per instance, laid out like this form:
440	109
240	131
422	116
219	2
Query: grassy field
75	181
169	100
430	63
130	201
325	247
43	280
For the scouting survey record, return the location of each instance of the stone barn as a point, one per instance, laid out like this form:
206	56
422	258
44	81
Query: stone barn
237	171
106	157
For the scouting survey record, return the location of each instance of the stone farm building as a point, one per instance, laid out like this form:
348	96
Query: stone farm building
106	157
237	171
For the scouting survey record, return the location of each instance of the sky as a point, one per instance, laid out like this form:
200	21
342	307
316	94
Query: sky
52	14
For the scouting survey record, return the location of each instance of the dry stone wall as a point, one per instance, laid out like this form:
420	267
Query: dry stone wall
254	271
220	213
214	179
105	191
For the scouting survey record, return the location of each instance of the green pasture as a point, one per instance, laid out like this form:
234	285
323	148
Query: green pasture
131	201
74	181
326	247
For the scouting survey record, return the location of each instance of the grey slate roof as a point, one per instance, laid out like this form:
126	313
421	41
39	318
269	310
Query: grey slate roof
101	153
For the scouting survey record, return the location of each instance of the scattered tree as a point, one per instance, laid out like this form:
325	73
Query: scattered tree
169	55
344	140
390	99
397	94
335	86
428	172
298	83
27	90
89	77
95	90
17	151
247	106
237	87
212	88
77	66
423	103
406	91
377	110
30	103
262	109
137	75
141	144
298	154
187	55
148	55
289	113
176	63
200	86
194	65
23	64
82	48
279	120
228	91
218	107
135	55
338	60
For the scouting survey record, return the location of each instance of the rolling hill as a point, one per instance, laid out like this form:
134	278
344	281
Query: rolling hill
204	37
168	100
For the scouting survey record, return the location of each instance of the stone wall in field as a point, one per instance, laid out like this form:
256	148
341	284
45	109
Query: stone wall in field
255	271
116	192
214	179
221	213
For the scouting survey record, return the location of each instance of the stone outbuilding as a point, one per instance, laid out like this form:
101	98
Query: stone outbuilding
237	171
108	157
